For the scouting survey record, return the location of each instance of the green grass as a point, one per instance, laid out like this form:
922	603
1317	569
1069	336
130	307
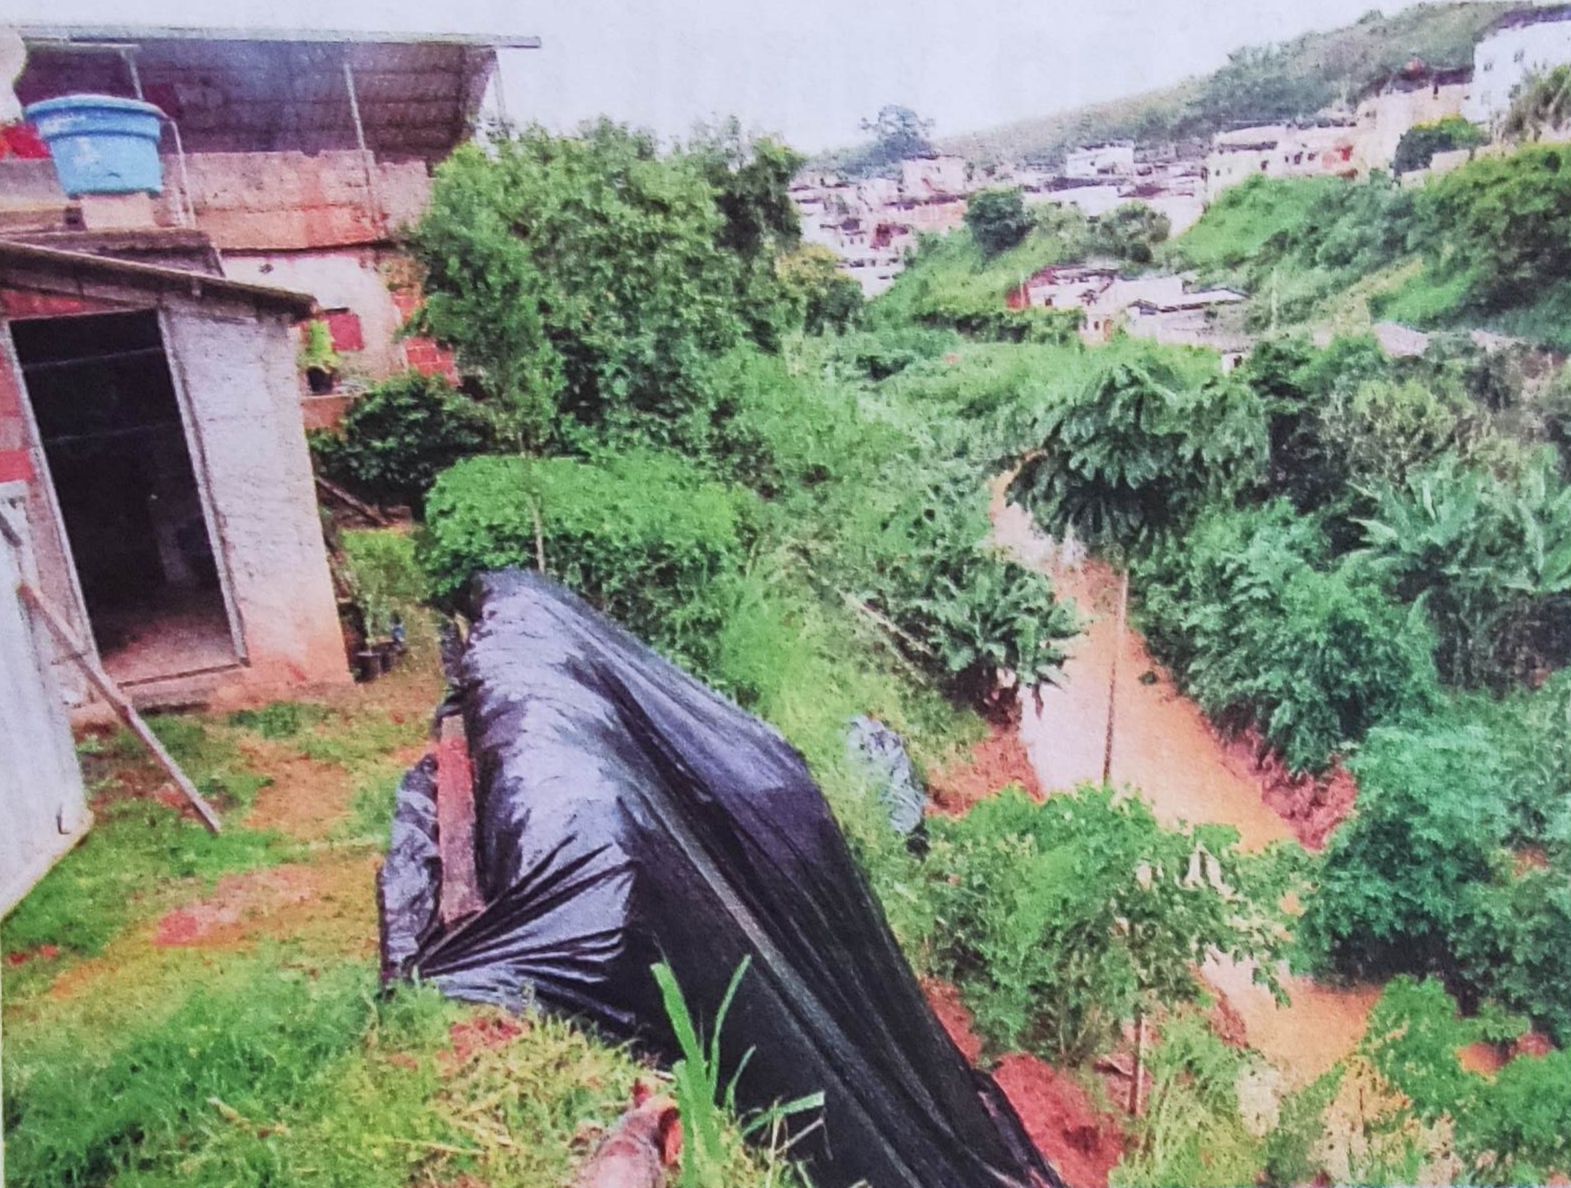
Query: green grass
254	1070
281	719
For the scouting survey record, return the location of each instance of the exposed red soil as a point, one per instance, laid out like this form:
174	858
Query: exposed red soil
1226	1021
1532	1043
294	900
1081	1142
1483	1058
997	761
944	999
23	956
1312	805
484	1032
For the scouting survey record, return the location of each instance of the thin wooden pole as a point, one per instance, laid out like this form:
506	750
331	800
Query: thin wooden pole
1140	1052
101	680
1112	680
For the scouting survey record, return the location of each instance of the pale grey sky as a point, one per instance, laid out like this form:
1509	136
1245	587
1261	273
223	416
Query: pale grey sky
808	69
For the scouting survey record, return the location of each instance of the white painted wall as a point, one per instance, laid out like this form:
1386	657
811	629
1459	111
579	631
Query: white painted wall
43	808
1504	59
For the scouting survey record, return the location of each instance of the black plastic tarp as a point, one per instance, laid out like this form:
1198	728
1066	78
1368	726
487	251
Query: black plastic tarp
626	814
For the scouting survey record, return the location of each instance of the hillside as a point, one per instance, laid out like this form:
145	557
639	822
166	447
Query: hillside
1292	79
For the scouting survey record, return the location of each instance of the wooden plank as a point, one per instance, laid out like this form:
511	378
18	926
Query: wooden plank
455	822
101	681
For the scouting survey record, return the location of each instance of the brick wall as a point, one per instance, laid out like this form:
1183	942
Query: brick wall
290	201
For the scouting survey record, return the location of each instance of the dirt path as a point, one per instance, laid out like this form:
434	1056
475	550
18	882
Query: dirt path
1164	747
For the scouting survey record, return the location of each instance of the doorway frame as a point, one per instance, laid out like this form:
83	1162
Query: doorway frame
199	473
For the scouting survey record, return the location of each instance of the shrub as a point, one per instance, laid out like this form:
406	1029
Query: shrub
1262	635
1141	445
1402	878
1513	1128
920	554
640	535
1504	224
1421	142
1060	919
998	219
1489	558
384	577
397	438
829	299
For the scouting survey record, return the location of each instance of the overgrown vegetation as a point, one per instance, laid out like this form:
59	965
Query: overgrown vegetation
1065	919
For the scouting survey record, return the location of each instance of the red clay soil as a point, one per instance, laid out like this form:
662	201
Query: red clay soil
952	1013
997	761
1081	1142
487	1031
1313	806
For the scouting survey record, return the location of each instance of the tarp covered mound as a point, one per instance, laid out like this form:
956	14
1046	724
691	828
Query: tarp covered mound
626	814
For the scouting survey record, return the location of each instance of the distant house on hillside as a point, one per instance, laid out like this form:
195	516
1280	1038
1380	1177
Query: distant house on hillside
934	176
1416	94
1521	43
1114	158
1280	150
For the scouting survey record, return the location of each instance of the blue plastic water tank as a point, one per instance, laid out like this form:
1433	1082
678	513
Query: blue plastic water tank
101	144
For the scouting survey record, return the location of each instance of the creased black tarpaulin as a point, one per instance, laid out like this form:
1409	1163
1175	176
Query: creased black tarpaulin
625	813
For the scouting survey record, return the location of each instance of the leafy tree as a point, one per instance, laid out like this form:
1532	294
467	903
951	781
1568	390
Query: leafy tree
1060	919
1140	447
751	181
583	279
397	438
1421	142
899	134
830	300
1542	104
1130	232
998	220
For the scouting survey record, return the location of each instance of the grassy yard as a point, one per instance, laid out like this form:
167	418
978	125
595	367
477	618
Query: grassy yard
188	1009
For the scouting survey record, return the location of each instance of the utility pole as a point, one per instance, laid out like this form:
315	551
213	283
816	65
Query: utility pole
1112	679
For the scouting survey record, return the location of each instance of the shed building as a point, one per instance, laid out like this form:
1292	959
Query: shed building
151	434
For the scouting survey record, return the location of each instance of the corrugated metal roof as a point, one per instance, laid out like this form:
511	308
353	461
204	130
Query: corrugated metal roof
266	90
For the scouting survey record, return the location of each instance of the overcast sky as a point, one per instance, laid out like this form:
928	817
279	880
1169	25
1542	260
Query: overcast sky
808	69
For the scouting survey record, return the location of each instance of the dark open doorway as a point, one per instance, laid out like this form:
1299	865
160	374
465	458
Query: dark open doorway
112	433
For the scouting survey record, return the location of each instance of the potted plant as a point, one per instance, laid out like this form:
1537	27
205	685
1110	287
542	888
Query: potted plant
318	359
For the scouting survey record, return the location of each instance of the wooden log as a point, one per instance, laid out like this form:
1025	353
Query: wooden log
455	822
101	680
359	505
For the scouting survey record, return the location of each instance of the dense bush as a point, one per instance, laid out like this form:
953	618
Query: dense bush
829	299
1488	558
639	535
585	279
1263	634
1130	232
998	219
1060	919
1512	1128
397	438
1143	443
919	554
1503	224
1421	142
1401	880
